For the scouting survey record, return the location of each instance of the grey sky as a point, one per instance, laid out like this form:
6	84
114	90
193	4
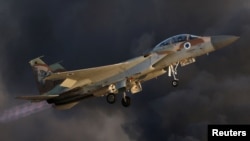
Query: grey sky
92	33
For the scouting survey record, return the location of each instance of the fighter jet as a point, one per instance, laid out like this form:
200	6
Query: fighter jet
64	89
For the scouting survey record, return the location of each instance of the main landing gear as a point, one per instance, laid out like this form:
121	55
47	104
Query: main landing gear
111	98
172	71
126	101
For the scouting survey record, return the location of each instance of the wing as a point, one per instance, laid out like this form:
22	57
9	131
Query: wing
75	80
92	75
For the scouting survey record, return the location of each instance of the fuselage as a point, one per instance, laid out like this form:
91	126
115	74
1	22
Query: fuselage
181	49
169	51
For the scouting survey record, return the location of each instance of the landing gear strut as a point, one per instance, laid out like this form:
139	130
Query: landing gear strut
172	71
126	100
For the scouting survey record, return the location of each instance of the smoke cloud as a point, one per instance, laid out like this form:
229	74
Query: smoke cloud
21	111
86	34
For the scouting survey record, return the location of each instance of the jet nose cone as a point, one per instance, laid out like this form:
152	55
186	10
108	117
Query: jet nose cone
222	41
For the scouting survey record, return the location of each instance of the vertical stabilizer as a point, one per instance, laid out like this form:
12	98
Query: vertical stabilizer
41	70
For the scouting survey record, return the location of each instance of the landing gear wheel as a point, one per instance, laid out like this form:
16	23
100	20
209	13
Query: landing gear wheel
111	98
126	101
175	83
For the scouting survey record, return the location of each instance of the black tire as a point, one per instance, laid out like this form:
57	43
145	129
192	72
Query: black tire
175	83
111	98
126	102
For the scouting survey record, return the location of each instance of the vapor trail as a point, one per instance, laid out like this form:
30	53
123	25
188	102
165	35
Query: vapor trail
23	110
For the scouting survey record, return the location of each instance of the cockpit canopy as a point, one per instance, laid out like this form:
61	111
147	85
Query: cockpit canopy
175	39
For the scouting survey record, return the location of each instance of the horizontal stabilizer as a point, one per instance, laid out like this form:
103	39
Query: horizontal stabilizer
37	98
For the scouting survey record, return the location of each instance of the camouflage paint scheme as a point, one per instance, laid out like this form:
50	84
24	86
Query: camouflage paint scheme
64	89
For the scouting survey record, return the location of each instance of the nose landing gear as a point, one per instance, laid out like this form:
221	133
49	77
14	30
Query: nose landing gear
172	71
175	83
